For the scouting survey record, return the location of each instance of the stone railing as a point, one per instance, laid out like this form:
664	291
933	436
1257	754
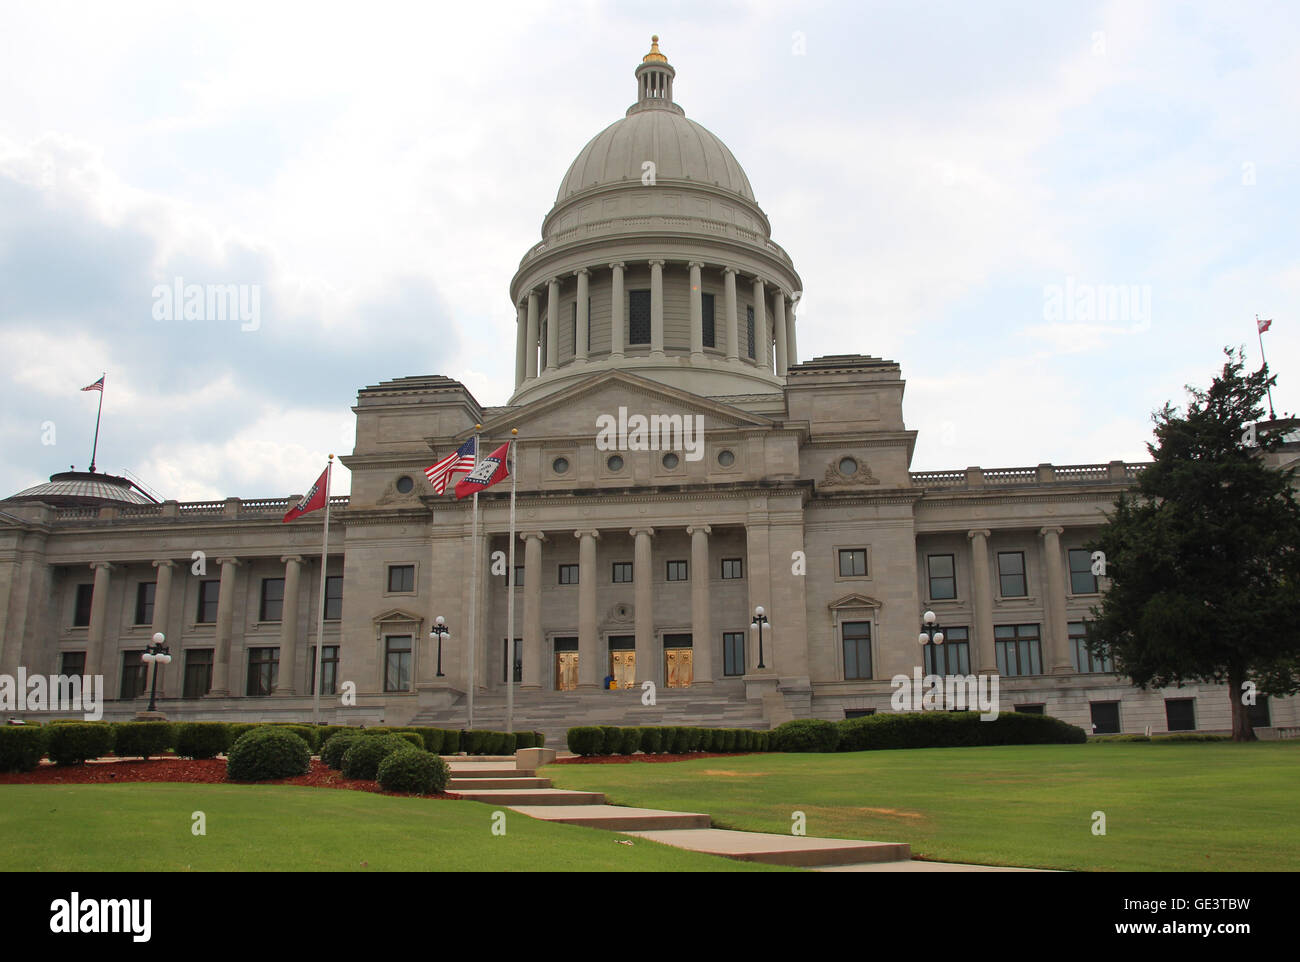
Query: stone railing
1114	472
253	508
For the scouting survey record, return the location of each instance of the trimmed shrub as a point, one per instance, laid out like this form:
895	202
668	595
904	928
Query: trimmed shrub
652	740
308	733
266	753
201	739
742	740
941	729
72	743
239	729
450	741
613	739
525	740
413	737
475	742
695	739
629	742
362	758
414	771
712	740
670	739
325	732
332	751
586	740
728	740
509	743
807	735
143	738
21	747
432	738
541	739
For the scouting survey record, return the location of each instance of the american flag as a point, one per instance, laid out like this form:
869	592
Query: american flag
462	459
97	386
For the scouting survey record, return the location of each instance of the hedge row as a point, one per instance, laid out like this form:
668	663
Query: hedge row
1171	737
939	729
609	740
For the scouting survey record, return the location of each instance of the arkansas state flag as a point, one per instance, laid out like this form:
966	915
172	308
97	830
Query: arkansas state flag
489	471
313	500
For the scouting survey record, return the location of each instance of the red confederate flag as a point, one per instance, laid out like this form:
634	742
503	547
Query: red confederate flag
489	471
313	500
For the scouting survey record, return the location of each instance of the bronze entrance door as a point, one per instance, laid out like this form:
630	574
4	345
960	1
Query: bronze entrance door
679	661
566	670
622	665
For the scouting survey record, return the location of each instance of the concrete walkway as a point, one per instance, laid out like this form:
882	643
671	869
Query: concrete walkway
502	782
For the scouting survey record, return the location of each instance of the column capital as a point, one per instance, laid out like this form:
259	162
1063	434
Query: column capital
582	270
643	530
729	270
1051	529
698	265
106	565
617	266
525	535
168	563
692	528
656	262
759	281
291	559
532	294
586	533
233	562
978	533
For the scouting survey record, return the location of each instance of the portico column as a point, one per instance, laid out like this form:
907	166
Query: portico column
701	625
98	618
791	351
760	325
1057	657
532	636
521	344
982	590
697	313
615	312
643	601
553	324
656	308
162	596
289	626
530	353
225	624
580	345
729	307
590	663
778	318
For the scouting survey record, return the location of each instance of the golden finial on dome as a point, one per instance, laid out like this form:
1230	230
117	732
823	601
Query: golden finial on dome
654	56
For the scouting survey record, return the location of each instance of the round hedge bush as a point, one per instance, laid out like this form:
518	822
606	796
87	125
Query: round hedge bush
807	735
332	752
362	758
71	743
586	740
266	753
202	739
412	770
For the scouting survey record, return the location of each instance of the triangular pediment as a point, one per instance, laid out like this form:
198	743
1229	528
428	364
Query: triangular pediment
573	412
854	600
395	615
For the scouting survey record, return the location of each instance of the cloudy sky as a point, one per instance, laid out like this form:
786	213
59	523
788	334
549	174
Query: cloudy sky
951	179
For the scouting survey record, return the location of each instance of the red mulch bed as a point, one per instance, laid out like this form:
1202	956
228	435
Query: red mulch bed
207	771
620	759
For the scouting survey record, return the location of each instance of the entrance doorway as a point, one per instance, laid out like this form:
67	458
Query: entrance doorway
622	660
679	661
566	664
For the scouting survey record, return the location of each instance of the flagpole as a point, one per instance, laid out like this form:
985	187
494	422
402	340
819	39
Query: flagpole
1271	415
320	622
473	587
95	447
510	598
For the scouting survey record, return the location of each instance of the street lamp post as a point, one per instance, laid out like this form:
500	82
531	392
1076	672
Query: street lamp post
931	634
440	631
757	624
156	654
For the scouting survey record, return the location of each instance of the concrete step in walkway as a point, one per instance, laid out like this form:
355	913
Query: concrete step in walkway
511	797
915	865
616	818
799	850
461	769
460	784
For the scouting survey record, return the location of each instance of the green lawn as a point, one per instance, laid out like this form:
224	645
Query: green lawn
146	827
1174	807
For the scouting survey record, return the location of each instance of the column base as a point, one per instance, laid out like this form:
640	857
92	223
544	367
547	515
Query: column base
218	693
283	691
142	716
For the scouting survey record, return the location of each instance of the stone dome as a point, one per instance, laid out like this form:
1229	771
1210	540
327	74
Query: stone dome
680	148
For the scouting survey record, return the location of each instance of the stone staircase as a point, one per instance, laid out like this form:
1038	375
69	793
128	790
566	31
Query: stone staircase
554	713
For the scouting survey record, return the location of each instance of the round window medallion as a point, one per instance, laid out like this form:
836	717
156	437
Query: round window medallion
671	461
615	462
560	465
405	484
726	458
848	467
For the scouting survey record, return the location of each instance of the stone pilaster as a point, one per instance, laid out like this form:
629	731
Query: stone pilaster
162	600
590	662
1056	656
225	629
532	635
729	308
697	314
289	626
984	656
701	623
656	313
98	618
581	347
643	586
615	318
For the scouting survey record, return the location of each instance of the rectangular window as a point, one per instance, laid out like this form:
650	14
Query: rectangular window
397	663
733	653
519	660
209	595
749	330
1011	573
568	574
333	597
81	611
519	576
952	657
622	572
1180	714
858	712
1084	660
1082	580
263	670
272	606
72	663
198	672
1105	717
329	669
1019	650
732	568
943	576
135	674
857	649
853	562
144	593
401	578
638	317
706	305
677	571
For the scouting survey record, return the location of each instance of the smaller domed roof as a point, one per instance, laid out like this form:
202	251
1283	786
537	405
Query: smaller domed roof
88	488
